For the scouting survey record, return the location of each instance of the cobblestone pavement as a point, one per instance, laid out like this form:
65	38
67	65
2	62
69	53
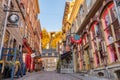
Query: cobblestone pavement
56	76
86	77
48	76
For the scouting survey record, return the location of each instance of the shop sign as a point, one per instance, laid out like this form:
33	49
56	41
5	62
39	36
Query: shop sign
13	18
76	37
33	55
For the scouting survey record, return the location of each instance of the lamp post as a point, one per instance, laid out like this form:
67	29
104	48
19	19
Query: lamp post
5	26
50	44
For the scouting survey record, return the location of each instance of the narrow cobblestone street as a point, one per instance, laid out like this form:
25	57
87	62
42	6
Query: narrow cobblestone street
56	76
80	39
48	76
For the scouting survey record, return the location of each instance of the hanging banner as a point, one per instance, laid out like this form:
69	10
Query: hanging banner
117	7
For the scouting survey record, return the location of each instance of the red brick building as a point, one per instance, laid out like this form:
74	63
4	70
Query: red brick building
32	36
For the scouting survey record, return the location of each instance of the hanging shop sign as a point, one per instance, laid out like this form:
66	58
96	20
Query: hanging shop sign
13	18
33	55
76	37
117	7
73	40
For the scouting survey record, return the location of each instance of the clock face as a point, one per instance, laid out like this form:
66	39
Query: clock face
13	18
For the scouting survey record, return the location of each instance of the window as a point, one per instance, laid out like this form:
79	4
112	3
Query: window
97	43
88	3
81	10
118	46
118	7
4	3
113	13
107	20
110	22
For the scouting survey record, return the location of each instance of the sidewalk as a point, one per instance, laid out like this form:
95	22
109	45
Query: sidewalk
86	77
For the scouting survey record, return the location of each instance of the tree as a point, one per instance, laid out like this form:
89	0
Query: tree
56	39
45	38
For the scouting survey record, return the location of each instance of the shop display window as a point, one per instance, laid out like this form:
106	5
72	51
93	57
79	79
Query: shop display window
113	13
113	53
118	46
118	7
97	42
85	39
117	32
107	20
112	33
116	29
96	59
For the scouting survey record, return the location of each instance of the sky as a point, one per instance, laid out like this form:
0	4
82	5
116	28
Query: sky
51	14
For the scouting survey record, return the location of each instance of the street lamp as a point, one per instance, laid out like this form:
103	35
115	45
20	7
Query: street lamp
52	34
5	26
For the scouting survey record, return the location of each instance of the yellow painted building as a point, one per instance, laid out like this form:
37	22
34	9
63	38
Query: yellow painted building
70	13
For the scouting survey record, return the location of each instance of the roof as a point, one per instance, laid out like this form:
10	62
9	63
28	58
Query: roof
49	53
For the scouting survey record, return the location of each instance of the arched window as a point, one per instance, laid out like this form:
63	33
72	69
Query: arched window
111	30
97	43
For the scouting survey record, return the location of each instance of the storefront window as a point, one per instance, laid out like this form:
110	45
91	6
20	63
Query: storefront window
97	43
110	22
4	3
113	13
112	50
117	3
118	46
85	39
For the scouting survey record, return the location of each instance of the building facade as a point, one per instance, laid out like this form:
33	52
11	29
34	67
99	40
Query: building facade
69	27
25	35
100	34
49	60
32	37
97	24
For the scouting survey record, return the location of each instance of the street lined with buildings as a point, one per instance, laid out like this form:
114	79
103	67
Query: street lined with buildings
52	75
86	48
